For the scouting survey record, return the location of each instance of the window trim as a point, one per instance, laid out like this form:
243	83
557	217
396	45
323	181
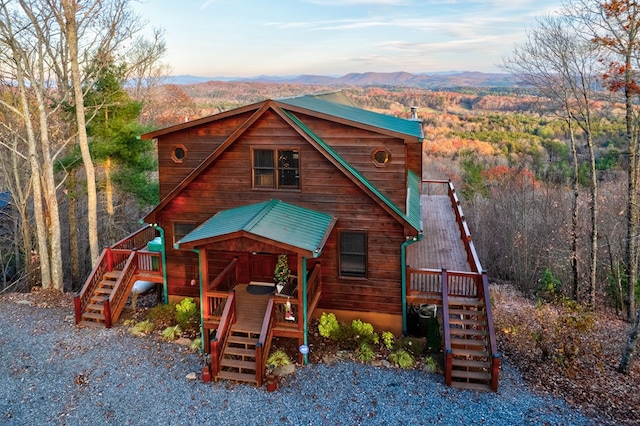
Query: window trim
341	273
277	186
174	157
180	222
386	161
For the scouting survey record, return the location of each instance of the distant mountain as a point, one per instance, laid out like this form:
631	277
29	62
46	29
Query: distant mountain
405	79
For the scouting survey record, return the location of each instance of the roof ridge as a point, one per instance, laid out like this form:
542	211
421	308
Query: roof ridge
269	205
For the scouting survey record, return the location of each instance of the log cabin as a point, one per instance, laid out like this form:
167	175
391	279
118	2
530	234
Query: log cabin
339	192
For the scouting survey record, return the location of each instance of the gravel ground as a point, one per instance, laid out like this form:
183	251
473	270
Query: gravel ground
54	373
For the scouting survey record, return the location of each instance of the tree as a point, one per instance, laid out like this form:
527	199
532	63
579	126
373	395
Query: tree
563	67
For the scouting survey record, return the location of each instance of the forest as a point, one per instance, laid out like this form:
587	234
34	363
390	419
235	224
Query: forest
547	169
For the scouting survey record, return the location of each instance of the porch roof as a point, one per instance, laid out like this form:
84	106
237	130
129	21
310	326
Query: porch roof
302	230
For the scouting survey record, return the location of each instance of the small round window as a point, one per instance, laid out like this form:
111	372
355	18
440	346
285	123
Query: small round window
381	157
178	153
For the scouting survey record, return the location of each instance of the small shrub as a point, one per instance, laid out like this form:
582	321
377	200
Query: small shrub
328	326
365	352
430	365
278	358
402	358
363	331
188	316
171	333
387	339
550	288
196	345
143	327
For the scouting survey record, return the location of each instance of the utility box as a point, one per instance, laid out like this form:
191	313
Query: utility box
155	244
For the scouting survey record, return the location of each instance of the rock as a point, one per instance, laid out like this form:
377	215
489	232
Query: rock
183	341
342	354
328	359
386	363
284	370
192	376
24	302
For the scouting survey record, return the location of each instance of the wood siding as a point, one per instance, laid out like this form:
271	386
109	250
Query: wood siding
227	183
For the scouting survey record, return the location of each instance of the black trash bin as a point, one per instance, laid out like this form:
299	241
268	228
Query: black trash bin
429	327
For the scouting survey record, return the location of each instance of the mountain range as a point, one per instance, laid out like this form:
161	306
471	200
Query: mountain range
404	79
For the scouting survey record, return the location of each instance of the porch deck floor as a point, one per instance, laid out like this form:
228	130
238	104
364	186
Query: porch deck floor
250	309
442	246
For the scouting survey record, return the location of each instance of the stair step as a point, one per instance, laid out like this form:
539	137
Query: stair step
466	312
469	342
469	352
470	363
93	315
459	331
237	377
230	350
103	290
95	307
466	321
464	301
91	324
474	375
98	299
112	275
471	386
236	363
243	340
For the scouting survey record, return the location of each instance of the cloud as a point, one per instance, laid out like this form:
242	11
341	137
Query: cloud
359	2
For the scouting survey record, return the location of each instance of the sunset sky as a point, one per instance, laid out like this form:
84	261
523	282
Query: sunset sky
245	38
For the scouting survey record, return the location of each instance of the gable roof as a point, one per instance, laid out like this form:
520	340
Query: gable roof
304	230
313	106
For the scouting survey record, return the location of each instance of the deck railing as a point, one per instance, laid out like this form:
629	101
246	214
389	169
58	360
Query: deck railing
448	352
217	291
264	342
81	301
428	282
314	289
224	328
137	240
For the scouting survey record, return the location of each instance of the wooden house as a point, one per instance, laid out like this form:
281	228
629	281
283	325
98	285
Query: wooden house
336	189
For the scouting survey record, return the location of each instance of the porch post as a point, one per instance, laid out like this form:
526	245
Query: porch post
203	273
163	253
403	277
303	275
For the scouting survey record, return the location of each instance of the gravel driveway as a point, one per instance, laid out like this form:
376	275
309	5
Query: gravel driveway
53	373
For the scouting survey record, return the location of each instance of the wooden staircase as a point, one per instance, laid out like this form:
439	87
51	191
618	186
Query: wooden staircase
471	357
94	313
238	361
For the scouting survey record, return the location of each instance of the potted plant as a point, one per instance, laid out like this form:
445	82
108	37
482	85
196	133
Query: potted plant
276	359
281	272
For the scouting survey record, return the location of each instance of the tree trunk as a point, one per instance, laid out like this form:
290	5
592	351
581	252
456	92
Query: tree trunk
76	284
630	349
575	287
70	9
632	201
111	223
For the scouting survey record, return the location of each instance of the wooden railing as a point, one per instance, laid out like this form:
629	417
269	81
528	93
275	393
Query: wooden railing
217	291
264	342
314	289
448	352
137	240
227	279
493	345
428	282
227	319
121	290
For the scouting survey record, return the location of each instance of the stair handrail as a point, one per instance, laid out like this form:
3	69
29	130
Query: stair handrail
493	345
264	341
121	289
448	352
224	328
226	273
81	301
137	239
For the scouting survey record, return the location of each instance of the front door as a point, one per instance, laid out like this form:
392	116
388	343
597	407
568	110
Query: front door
261	267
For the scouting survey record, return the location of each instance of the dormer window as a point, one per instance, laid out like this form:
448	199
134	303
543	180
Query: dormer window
276	168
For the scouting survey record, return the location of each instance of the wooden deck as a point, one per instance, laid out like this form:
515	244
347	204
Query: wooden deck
442	246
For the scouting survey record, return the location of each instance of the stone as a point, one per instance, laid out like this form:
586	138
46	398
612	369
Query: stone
192	376
284	370
183	341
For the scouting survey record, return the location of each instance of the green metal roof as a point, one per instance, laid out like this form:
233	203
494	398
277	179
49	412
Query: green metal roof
414	210
382	121
275	220
415	222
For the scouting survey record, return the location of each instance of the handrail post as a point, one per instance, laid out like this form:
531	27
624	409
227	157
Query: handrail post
448	361
259	364
107	312
77	307
215	359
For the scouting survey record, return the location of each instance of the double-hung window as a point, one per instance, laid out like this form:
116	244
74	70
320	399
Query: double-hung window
353	254
276	168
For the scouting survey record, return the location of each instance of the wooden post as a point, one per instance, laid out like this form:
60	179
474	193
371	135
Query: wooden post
447	367
107	312
495	372
215	357
77	307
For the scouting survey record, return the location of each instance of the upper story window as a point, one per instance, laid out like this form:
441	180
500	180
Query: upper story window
380	157
178	153
180	229
276	168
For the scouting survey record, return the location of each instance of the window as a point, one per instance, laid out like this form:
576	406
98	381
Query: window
380	157
178	153
353	254
180	229
276	168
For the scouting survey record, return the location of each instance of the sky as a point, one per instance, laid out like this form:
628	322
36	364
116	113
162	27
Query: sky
248	38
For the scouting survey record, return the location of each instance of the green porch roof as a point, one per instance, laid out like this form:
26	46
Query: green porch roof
274	220
382	121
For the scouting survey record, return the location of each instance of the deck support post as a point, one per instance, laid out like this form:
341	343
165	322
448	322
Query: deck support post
107	312
77	307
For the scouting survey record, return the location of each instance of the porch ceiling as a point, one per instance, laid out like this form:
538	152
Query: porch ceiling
302	230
